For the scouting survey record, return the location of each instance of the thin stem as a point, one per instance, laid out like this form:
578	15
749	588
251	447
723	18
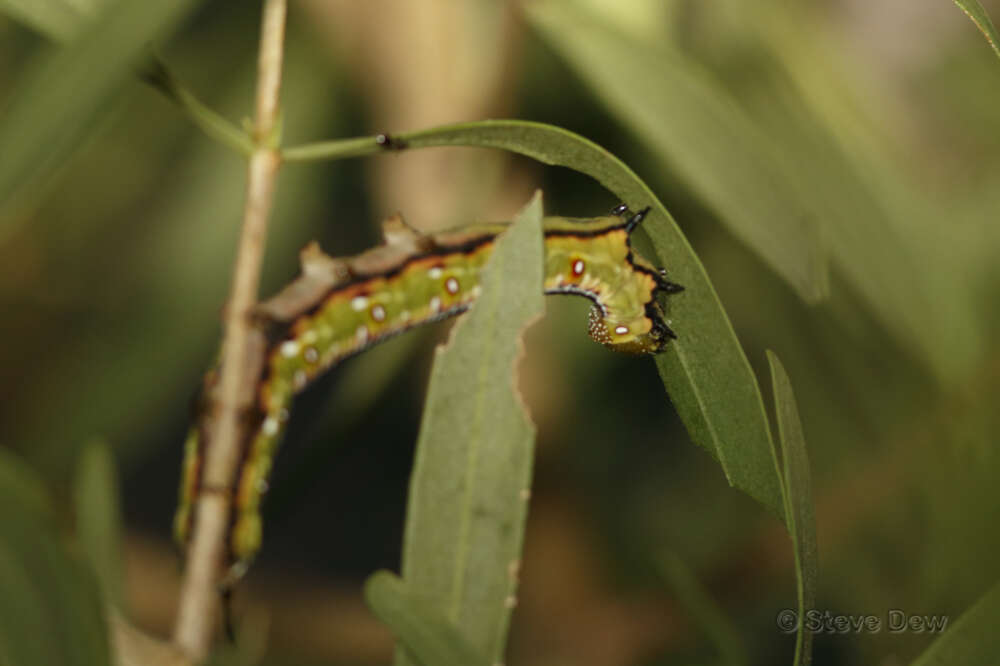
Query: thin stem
458	134
195	625
332	150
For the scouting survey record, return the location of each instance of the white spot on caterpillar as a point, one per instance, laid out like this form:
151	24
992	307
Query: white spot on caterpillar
476	291
578	267
435	272
270	427
299	379
621	330
282	414
262	486
359	303
290	348
362	334
309	337
311	355
560	279
451	285
435	305
378	313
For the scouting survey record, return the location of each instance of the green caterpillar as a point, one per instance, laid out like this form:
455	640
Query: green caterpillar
340	307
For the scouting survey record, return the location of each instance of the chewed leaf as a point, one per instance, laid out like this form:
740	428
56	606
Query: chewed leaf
425	633
472	472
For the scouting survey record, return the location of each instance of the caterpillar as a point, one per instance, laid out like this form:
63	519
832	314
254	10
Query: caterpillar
339	307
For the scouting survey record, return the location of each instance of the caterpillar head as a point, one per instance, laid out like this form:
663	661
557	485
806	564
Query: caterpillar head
631	318
629	337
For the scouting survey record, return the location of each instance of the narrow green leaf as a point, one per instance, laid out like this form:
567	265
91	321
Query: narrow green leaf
982	21
56	19
799	512
705	371
426	634
696	600
98	518
690	121
65	90
18	479
973	640
60	21
51	612
882	230
472	471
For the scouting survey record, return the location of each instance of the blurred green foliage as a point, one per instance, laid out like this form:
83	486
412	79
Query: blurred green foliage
835	150
51	611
